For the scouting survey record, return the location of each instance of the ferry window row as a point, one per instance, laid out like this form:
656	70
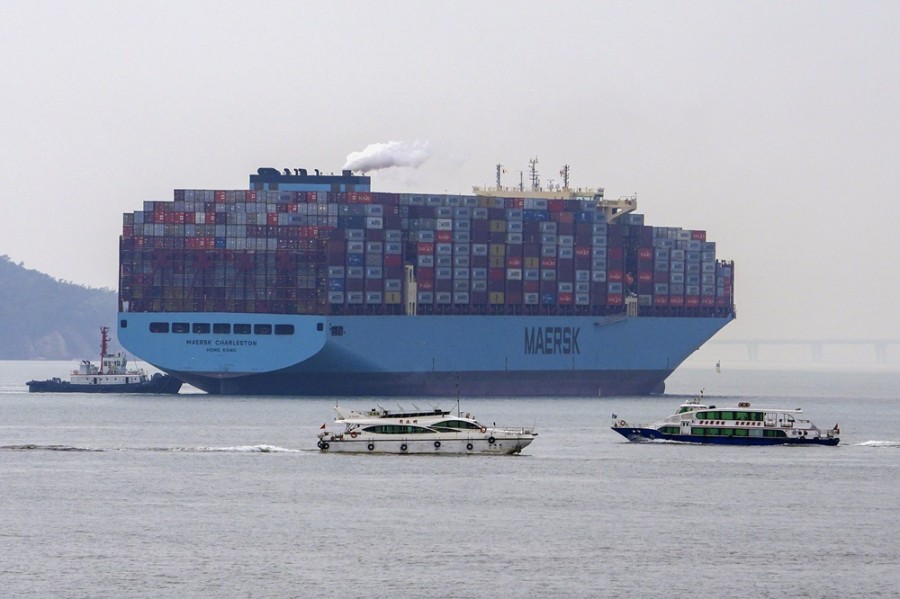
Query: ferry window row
728	415
700	431
222	328
396	429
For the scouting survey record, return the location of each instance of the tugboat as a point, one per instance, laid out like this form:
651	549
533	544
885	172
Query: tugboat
697	422
423	432
112	376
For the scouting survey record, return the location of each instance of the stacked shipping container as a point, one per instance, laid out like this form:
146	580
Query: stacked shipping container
291	252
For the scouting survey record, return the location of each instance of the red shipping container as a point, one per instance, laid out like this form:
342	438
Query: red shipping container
708	300
127	231
615	275
565	218
549	263
250	196
425	284
645	253
425	247
556	205
497	274
582	251
424	274
514	261
219	196
444	236
393	260
531	286
660	300
692	300
698	235
564	298
676	300
272	219
645	276
615	253
614	299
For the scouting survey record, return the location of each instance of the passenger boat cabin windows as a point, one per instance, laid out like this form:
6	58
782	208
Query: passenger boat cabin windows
731	415
396	429
454	425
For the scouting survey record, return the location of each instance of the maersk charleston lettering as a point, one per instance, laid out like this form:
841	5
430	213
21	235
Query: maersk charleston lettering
552	340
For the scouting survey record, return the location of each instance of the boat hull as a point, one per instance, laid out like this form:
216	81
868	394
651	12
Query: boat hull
427	446
638	434
430	356
158	384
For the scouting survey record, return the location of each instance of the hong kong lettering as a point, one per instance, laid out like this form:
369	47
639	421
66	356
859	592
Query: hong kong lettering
552	340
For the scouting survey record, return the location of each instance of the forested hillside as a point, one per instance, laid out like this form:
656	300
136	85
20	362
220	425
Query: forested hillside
44	318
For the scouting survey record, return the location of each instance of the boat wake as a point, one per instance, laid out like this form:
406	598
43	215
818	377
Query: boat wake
879	444
30	446
200	449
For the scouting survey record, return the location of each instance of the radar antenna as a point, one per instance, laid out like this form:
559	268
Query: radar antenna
499	171
533	173
565	175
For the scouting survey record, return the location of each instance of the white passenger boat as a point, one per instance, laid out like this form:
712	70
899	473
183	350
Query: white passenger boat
422	432
697	422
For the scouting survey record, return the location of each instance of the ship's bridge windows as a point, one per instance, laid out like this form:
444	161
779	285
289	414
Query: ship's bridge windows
320	326
242	329
284	329
159	327
262	329
222	328
181	327
201	328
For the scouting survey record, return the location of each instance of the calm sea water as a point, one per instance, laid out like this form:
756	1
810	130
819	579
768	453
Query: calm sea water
198	496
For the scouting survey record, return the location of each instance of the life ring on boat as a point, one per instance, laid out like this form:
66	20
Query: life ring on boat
484	429
620	423
403	447
325	445
437	444
371	446
491	440
469	446
353	434
319	444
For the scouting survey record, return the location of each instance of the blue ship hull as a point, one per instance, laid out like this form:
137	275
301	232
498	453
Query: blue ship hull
650	434
484	356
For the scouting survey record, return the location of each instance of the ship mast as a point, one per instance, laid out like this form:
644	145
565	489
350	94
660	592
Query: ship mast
533	173
104	345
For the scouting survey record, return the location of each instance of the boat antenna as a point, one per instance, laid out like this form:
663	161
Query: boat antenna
458	411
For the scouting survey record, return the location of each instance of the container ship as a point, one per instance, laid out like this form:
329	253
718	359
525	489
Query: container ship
311	284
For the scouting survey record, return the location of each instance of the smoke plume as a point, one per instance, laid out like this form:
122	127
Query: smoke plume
386	155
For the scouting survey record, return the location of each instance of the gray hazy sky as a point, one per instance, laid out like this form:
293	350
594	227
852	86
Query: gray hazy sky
775	125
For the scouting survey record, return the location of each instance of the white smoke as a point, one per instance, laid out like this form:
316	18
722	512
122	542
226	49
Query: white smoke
386	155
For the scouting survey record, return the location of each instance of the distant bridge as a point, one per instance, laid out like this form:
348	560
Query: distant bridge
816	347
